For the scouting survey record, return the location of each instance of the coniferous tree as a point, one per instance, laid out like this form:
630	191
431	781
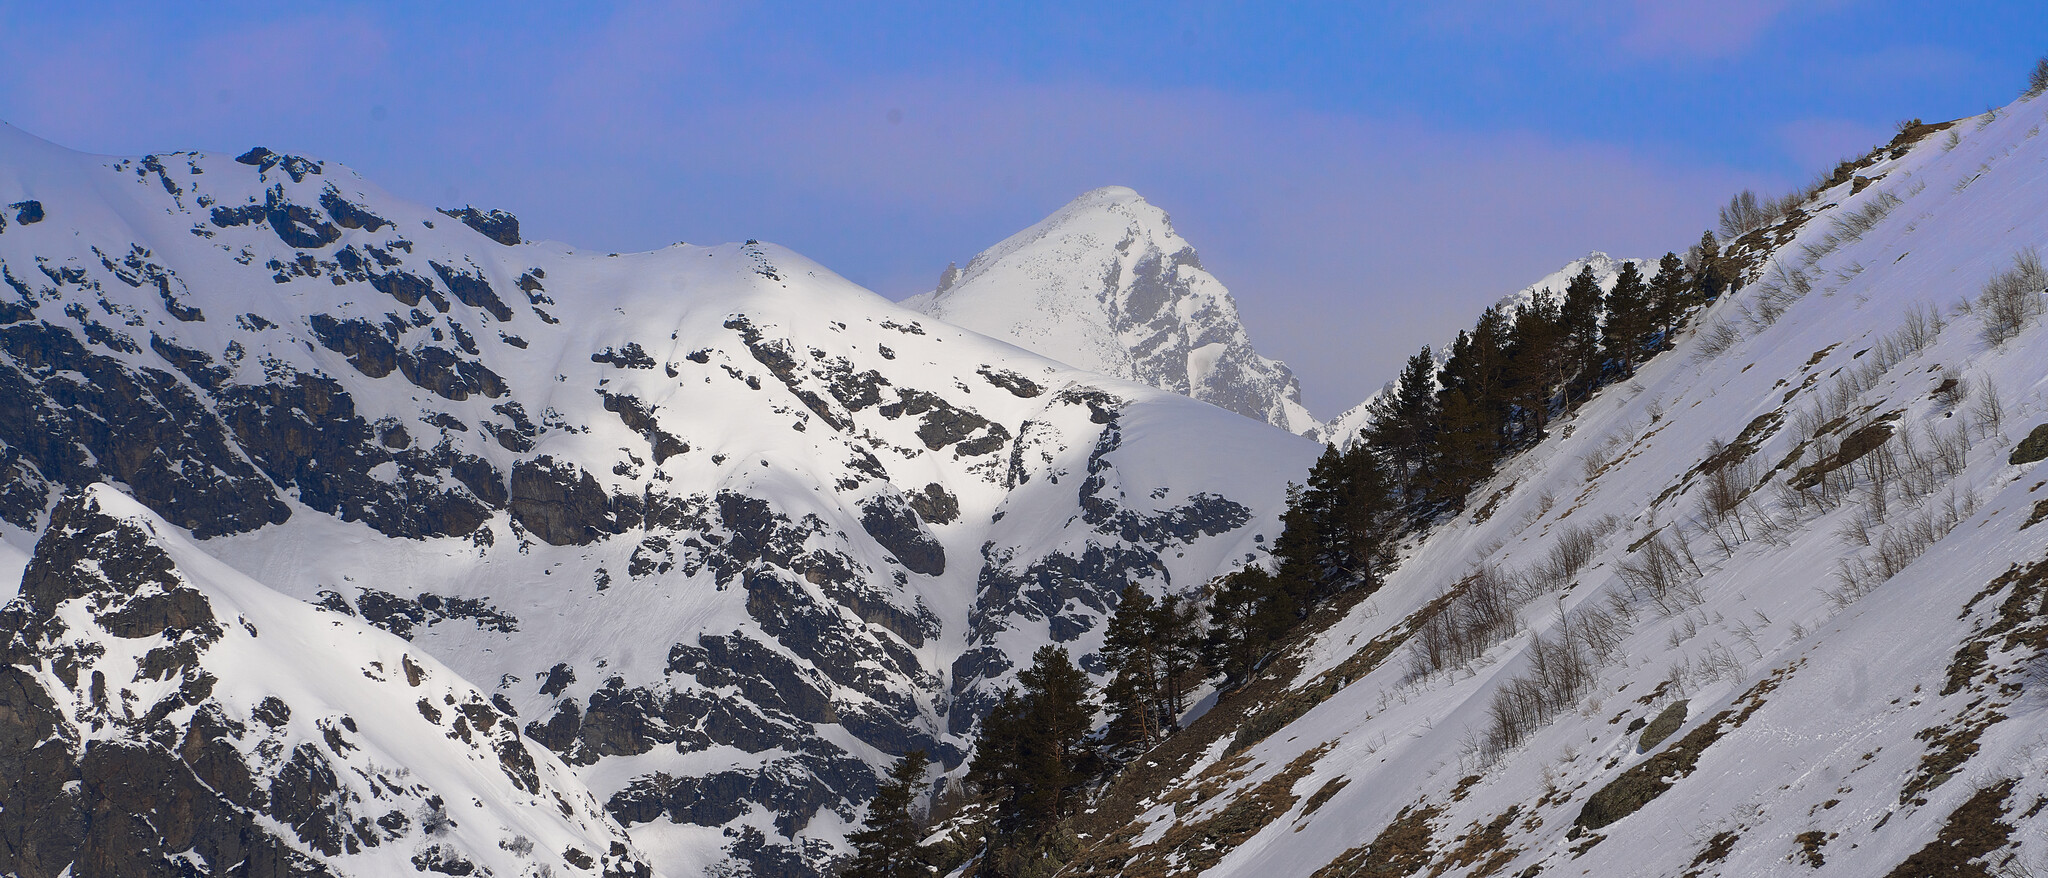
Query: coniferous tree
1131	649
1667	298
1177	631
1710	275
1403	423
1536	368
1629	326
886	845
1243	616
1579	316
1029	758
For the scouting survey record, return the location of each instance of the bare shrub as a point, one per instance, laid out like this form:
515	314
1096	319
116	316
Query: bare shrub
1746	212
1715	340
1989	412
1563	668
2012	298
1776	294
1664	575
2037	82
1482	614
1899	546
1851	226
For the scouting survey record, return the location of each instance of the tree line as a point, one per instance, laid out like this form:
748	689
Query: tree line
1437	431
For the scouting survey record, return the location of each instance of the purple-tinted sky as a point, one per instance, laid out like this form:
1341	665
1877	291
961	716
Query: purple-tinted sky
1364	180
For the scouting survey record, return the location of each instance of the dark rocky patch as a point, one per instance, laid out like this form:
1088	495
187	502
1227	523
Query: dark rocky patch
448	375
296	225
400	615
349	215
630	356
28	212
780	358
473	290
306	433
408	288
79	417
371	349
565	506
639	417
496	225
1016	384
934	504
896	527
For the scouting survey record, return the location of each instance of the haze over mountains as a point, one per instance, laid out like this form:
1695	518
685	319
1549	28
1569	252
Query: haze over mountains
359	537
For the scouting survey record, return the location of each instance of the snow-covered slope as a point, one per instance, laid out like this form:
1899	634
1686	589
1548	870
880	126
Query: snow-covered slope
1343	429
724	529
1779	601
161	713
1105	284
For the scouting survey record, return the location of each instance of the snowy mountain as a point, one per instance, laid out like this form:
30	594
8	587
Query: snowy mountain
167	715
723	531
1343	429
1773	606
1105	284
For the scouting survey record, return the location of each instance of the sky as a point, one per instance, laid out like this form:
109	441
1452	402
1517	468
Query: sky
1363	177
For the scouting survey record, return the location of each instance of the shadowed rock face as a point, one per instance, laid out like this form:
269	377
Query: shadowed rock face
318	376
100	782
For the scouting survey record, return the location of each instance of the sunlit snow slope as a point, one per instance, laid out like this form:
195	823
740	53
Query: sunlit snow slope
1779	600
724	530
1106	284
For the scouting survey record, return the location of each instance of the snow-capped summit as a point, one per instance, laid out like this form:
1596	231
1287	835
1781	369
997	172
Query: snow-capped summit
1106	284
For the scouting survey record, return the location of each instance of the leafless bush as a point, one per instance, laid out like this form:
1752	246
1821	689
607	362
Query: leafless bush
1989	412
1952	390
1481	615
1745	212
1851	226
1899	546
1715	340
1776	294
1921	327
2012	298
1563	668
2037	82
1664	575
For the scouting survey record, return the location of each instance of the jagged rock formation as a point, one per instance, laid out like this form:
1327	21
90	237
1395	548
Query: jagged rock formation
161	714
721	530
1105	284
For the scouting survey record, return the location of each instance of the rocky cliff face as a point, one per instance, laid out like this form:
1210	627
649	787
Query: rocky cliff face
720	530
163	715
1105	284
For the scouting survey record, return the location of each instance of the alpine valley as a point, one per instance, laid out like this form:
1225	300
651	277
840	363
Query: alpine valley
355	537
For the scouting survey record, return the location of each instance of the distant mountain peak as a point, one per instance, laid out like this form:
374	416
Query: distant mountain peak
1106	284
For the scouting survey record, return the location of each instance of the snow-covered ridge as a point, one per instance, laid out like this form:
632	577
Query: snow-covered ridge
1782	590
1105	284
725	530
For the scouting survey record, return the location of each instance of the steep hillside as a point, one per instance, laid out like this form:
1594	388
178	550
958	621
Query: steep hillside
167	715
1773	606
1343	429
722	529
1105	284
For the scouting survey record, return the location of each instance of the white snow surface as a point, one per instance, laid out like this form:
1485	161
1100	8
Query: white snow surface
359	698
794	390
1844	666
1105	284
